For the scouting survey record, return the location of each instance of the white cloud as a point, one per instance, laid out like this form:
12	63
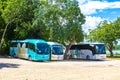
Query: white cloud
91	23
89	7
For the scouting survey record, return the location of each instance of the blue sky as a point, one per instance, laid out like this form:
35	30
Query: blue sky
99	10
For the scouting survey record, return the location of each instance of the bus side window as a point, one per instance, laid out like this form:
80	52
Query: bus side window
13	44
31	46
24	45
19	45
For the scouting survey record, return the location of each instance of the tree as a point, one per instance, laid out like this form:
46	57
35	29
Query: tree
72	20
116	26
18	16
2	23
107	33
63	19
22	12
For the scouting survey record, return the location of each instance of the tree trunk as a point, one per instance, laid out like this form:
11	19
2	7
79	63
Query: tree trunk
111	53
110	48
66	55
5	33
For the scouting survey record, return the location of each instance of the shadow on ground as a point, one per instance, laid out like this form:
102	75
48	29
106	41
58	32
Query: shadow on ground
77	60
8	65
4	56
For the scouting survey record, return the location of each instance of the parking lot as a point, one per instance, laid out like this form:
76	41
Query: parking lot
19	69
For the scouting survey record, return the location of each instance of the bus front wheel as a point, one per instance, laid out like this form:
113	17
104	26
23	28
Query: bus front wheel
14	55
29	58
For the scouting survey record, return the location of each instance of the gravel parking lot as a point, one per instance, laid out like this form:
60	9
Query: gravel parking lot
19	69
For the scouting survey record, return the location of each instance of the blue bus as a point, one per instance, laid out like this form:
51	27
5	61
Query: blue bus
31	49
88	51
56	51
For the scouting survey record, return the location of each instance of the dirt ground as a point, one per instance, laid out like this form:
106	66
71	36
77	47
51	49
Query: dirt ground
19	69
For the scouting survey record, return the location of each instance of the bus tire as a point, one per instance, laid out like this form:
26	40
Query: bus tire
14	56
87	57
29	58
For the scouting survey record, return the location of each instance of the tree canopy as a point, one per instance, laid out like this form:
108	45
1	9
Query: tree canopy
107	33
62	18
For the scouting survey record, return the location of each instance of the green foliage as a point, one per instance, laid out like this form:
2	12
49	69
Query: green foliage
0	5
55	20
73	19
116	25
62	18
22	14
18	16
117	47
2	24
107	33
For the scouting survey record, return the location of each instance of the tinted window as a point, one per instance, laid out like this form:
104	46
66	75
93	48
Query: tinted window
14	44
100	49
43	48
31	46
57	49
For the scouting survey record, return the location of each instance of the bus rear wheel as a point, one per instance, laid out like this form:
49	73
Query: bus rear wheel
87	57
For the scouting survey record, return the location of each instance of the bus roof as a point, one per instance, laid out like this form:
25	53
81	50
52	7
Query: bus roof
17	41
77	46
34	41
84	45
91	43
53	43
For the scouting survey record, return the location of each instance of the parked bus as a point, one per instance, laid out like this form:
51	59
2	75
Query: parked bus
88	51
31	49
56	51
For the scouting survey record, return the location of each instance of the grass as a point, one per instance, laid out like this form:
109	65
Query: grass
115	57
112	58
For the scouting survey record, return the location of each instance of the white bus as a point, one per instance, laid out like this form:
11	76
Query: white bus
56	51
88	51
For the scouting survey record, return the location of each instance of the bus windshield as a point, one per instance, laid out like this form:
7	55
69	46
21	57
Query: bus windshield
57	49
43	48
100	49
